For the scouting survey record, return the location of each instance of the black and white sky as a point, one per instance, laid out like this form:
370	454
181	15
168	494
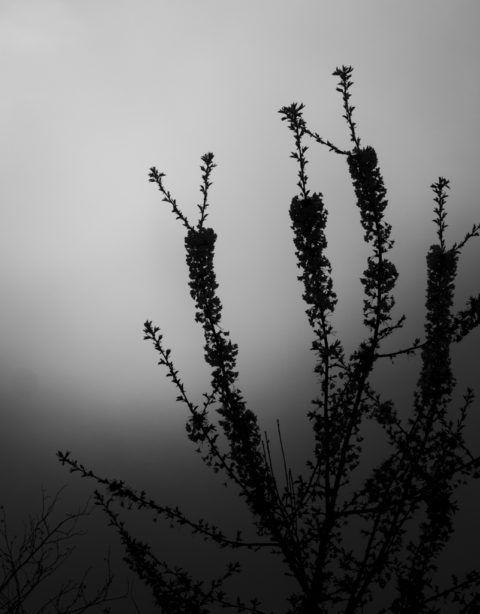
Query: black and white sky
96	92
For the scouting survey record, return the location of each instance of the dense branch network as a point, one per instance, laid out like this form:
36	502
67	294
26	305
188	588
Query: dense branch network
30	560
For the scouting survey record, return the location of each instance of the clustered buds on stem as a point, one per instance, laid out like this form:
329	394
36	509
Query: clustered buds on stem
302	520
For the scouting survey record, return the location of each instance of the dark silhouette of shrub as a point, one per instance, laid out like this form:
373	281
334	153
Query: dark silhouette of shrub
302	521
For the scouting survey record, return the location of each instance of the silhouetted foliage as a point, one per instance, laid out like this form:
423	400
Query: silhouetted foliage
31	564
303	520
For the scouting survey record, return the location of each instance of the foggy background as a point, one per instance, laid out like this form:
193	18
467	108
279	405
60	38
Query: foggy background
94	94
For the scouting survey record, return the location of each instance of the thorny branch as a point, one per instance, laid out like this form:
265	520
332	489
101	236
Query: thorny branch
303	522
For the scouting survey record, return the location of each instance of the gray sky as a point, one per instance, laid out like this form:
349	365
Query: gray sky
96	92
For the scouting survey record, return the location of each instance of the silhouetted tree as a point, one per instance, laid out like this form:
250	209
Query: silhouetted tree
31	565
303	521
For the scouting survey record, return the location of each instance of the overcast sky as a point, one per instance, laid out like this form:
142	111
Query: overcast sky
96	92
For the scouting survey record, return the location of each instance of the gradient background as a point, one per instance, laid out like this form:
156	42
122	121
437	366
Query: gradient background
94	93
